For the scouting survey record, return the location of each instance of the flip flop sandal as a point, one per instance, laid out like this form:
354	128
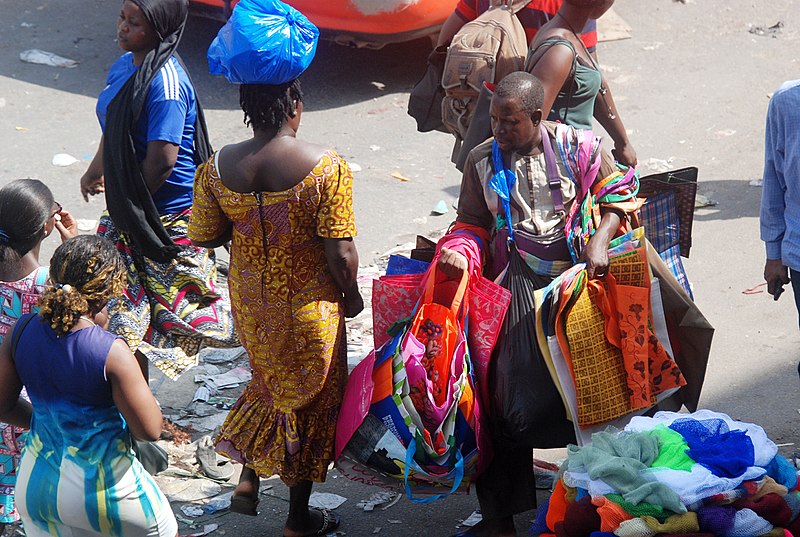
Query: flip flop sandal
244	505
213	466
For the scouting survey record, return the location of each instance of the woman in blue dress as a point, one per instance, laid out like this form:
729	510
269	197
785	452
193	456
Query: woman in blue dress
78	475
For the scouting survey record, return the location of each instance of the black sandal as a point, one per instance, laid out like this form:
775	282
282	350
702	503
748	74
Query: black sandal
244	505
330	523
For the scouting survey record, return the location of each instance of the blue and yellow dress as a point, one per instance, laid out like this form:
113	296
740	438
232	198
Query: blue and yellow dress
78	475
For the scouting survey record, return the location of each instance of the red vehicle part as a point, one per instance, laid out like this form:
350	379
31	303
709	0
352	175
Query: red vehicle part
371	23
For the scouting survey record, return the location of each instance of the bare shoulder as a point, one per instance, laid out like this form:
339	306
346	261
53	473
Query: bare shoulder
120	359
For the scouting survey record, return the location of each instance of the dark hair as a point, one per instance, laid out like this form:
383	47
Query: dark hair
25	207
86	271
525	88
266	107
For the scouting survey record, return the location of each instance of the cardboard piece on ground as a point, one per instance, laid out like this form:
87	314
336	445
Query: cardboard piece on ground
612	27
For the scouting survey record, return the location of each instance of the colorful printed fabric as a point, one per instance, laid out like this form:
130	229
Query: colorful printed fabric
169	311
288	313
580	151
17	299
78	474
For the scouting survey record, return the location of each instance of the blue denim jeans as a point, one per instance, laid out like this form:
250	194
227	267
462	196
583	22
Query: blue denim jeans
795	277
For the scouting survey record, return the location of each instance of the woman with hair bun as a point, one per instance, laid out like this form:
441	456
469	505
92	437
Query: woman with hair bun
78	474
28	214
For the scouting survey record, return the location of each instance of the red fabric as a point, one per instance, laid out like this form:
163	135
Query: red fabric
611	514
533	16
771	507
580	519
557	509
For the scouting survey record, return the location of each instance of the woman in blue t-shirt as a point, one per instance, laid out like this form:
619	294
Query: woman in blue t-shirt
154	133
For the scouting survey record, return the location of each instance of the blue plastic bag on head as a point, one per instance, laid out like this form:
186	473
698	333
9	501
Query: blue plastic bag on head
264	42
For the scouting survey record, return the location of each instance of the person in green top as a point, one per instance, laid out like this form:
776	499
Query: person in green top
574	89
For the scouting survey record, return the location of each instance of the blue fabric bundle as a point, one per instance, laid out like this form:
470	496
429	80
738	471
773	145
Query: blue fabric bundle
711	443
264	42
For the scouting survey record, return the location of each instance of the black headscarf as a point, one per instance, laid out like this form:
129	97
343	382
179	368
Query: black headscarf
128	199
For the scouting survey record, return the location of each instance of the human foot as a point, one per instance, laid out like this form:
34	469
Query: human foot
319	522
245	496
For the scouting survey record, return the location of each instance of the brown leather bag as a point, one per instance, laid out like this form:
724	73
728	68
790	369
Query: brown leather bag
484	50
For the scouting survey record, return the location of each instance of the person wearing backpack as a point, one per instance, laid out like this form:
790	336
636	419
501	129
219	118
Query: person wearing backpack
537	16
532	16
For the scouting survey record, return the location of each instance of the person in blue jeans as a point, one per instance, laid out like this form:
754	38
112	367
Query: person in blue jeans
780	196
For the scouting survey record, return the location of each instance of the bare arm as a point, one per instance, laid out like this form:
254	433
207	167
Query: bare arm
132	394
159	162
342	260
13	409
605	112
449	29
92	181
225	238
595	254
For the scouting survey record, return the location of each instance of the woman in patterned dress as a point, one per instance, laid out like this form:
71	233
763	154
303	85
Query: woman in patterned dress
286	207
28	214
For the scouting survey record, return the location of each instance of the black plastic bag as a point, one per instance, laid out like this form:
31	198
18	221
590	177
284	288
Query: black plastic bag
152	456
527	408
425	101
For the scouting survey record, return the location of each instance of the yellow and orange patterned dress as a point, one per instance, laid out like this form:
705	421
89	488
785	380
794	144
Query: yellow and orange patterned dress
288	312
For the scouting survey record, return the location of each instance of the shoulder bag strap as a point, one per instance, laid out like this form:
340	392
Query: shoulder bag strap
530	63
553	177
17	333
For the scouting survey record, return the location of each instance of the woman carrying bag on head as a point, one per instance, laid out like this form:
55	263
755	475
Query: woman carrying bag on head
286	206
154	135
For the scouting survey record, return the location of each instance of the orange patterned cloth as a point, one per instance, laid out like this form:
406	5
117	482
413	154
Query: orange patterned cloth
288	313
618	364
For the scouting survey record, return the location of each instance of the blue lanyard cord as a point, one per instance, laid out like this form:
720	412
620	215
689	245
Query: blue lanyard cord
502	182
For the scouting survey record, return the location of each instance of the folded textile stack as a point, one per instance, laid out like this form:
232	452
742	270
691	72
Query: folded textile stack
684	474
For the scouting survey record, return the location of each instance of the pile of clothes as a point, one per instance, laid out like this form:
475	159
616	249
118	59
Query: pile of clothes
674	474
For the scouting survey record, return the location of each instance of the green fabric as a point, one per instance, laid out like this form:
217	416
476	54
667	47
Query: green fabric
641	509
673	450
620	460
584	90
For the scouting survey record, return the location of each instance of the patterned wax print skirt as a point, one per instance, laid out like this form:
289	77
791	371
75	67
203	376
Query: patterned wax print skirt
169	311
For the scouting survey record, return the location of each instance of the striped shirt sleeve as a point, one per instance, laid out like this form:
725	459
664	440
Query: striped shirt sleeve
166	106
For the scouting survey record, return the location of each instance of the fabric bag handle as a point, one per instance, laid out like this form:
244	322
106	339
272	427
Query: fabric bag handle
457	479
553	178
458	298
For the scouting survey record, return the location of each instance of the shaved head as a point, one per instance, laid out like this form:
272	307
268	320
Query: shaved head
524	88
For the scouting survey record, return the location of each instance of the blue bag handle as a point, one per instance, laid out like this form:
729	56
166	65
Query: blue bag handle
459	477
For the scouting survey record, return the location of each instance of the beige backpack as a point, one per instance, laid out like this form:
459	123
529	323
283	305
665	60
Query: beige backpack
484	50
